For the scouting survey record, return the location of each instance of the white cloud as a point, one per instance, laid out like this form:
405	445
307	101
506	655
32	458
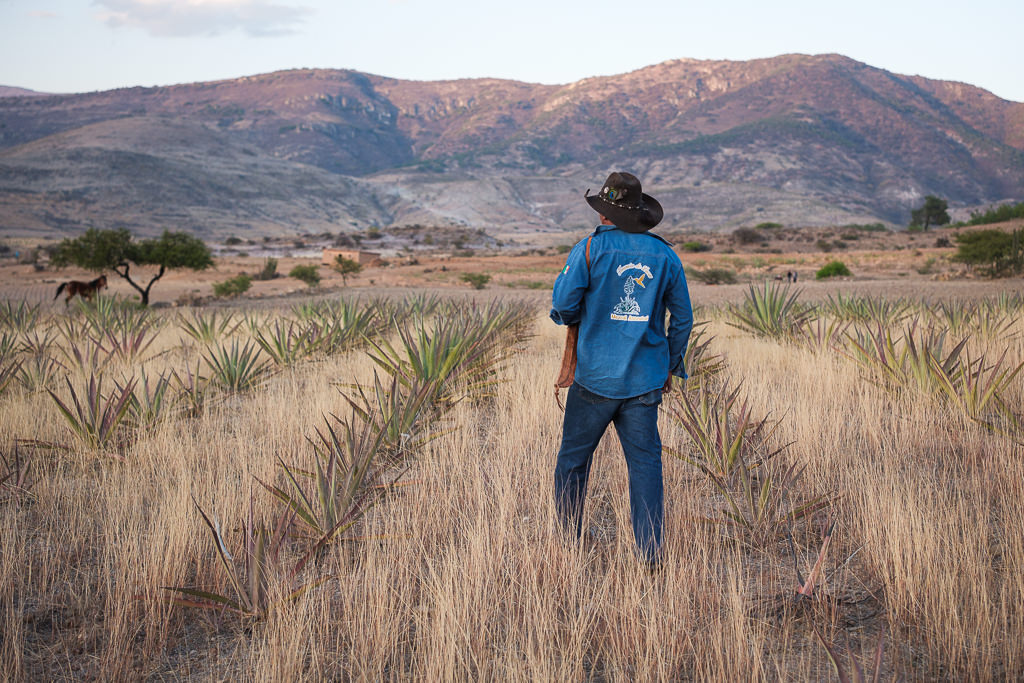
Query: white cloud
174	18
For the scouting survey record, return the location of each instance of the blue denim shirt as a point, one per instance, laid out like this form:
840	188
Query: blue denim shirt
620	303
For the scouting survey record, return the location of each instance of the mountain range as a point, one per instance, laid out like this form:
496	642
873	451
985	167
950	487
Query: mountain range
795	139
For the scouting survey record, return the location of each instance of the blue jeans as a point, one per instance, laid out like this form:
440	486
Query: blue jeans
636	421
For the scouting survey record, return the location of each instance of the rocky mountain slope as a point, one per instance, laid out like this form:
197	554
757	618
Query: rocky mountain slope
796	139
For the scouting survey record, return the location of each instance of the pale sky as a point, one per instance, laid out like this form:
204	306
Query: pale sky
85	45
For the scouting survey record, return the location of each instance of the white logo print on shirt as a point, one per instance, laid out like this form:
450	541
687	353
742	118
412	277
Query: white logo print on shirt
628	308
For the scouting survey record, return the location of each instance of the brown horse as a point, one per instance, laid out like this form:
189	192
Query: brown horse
86	290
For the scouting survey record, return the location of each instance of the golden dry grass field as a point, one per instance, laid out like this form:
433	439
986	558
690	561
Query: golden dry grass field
430	550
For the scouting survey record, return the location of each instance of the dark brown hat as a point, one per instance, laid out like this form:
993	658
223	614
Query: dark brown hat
623	202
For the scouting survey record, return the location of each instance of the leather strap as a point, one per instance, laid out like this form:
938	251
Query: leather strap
567	373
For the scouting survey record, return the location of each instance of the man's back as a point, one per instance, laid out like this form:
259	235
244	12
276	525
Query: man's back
620	303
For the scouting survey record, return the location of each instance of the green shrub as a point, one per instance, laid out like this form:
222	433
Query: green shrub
999	214
695	246
824	245
308	274
269	271
833	269
476	280
714	276
768	225
995	252
747	235
866	227
232	286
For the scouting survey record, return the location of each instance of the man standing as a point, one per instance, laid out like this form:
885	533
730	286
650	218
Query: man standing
617	285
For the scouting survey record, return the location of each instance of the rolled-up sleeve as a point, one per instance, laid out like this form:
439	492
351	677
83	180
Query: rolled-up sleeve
677	301
570	285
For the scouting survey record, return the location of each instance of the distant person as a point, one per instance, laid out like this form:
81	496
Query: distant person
616	286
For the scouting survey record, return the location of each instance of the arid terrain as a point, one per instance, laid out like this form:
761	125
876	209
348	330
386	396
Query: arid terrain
794	139
354	482
882	262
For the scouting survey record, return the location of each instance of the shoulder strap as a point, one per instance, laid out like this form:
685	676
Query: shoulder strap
567	372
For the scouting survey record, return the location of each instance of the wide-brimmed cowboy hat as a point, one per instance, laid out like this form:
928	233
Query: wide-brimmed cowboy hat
623	202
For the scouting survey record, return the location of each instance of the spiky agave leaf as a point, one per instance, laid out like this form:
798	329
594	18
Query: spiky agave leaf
96	417
772	311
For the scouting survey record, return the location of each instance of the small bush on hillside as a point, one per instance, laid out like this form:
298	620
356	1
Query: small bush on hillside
269	270
747	235
714	276
768	225
232	286
695	247
308	274
824	245
833	269
999	214
476	280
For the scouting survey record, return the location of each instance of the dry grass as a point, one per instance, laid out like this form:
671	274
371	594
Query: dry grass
469	579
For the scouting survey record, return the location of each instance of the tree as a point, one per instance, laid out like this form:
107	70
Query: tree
100	250
932	213
995	252
346	267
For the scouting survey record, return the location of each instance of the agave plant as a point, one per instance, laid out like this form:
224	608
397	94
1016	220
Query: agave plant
39	343
8	372
88	355
882	312
288	342
977	388
763	502
208	328
423	305
396	413
822	334
346	481
448	352
260	583
148	402
8	344
698	360
722	430
128	344
915	359
107	313
20	317
94	417
772	312
37	373
191	389
236	368
342	327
